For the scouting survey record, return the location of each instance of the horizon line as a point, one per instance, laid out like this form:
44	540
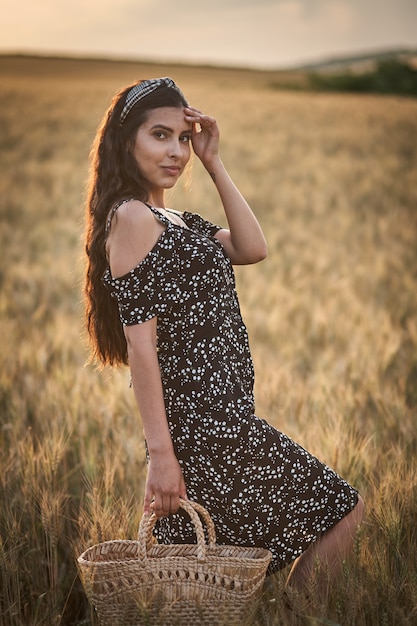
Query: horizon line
320	61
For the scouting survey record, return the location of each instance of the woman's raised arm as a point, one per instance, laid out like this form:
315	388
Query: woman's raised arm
244	241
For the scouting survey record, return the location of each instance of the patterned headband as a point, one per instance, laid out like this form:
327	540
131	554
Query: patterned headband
143	89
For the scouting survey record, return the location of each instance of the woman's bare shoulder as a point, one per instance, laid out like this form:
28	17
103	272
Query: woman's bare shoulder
133	233
128	214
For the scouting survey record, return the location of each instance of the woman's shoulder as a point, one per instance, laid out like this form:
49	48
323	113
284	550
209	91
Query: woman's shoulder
133	233
127	212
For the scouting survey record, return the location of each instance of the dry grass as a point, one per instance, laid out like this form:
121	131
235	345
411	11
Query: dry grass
332	315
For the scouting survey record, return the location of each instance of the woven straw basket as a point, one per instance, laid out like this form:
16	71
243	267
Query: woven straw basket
134	583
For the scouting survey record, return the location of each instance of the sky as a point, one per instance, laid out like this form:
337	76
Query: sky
248	33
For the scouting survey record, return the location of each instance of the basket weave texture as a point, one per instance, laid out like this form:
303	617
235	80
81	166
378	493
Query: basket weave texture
135	583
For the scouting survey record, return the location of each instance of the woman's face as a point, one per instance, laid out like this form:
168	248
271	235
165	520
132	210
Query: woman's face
162	148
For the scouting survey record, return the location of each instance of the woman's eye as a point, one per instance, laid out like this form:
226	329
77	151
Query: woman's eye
159	134
186	138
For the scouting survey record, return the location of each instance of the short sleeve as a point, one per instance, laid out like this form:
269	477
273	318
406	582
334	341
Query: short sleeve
200	225
151	289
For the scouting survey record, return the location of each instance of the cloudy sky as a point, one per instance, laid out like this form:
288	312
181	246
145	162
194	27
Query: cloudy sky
256	33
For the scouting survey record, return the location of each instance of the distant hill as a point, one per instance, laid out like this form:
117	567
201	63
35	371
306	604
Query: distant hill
389	72
362	61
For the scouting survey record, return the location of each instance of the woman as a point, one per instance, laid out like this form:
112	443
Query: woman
161	297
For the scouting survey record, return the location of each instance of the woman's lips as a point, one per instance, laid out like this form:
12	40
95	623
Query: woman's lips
172	170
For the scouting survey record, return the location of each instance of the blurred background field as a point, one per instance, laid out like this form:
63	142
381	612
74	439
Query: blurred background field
331	313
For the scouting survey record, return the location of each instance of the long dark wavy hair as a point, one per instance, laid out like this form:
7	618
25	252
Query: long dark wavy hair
114	176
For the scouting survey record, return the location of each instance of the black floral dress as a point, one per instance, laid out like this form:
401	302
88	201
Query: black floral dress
260	487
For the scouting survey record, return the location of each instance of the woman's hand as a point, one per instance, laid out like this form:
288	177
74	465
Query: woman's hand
205	141
164	485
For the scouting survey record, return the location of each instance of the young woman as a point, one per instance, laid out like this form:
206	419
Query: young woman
161	297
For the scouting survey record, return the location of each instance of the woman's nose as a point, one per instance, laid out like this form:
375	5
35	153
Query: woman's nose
175	149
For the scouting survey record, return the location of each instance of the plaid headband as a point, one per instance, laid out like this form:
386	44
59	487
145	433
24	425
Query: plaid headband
143	89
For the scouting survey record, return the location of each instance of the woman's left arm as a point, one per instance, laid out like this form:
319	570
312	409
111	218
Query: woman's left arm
244	241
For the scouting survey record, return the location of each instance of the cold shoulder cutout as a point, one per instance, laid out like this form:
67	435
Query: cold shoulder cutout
112	213
130	242
152	286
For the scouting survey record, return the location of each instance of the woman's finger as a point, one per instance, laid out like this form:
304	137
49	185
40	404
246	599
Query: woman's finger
193	115
175	504
157	506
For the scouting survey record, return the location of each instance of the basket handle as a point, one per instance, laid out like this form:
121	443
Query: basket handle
194	510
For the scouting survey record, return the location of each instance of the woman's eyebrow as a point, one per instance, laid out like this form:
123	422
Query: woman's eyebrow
161	126
168	129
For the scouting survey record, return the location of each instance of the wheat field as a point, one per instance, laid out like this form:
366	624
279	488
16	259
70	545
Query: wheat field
331	314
